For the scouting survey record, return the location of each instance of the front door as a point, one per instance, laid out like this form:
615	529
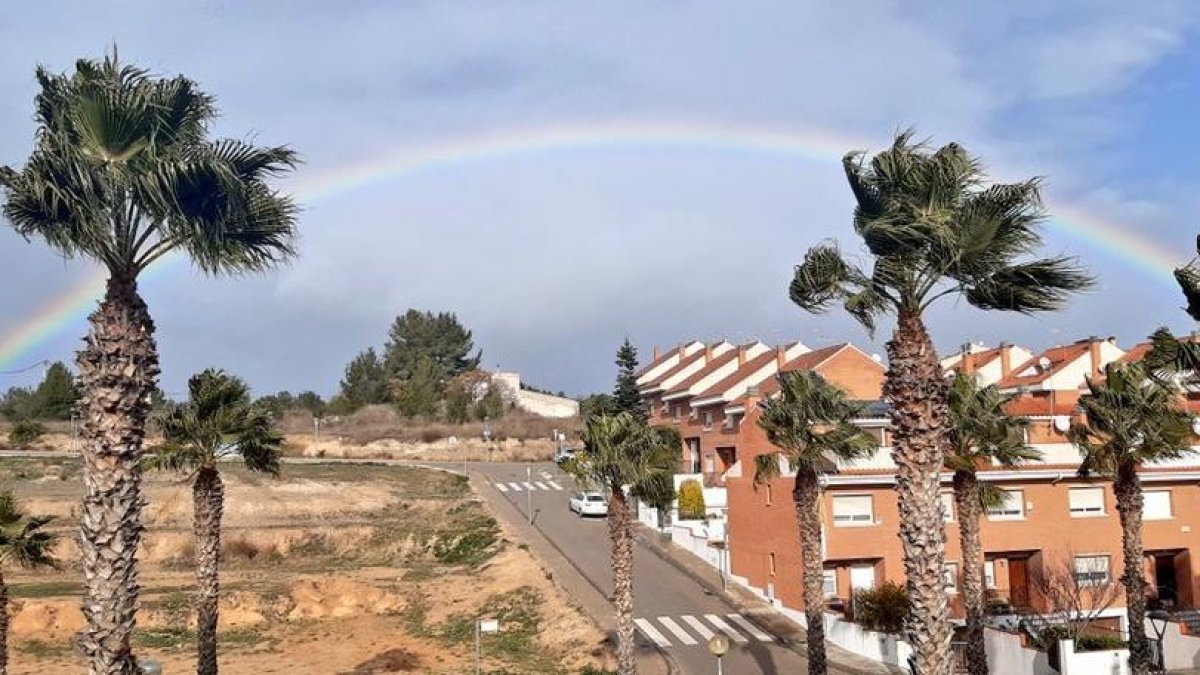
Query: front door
1165	585
1018	581
862	577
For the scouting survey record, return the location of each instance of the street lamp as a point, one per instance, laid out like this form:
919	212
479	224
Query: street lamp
718	645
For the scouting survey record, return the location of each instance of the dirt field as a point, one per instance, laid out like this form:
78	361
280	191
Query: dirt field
331	570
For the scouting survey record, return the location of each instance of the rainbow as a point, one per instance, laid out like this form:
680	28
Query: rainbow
69	309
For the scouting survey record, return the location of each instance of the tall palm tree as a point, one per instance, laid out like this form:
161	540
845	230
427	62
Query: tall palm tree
22	541
981	434
932	230
123	172
622	454
218	422
810	421
1130	420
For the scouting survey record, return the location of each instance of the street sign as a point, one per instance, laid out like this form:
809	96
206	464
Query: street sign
489	626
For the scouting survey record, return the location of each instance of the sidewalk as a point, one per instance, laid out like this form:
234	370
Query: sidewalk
742	600
565	575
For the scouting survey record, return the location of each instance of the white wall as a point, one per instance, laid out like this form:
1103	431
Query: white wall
1007	653
1180	651
882	647
1115	662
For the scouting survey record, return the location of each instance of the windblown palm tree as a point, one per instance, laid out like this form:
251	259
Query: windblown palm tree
810	421
933	230
1130	420
218	422
123	172
22	541
621	453
981	434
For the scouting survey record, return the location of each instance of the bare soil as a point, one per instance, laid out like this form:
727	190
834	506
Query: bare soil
327	570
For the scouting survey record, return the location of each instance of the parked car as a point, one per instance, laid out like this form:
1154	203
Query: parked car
563	454
589	504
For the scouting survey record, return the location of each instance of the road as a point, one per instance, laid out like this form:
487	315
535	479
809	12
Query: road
670	608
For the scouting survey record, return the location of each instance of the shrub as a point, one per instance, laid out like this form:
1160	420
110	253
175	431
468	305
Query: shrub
691	500
883	608
25	432
1093	642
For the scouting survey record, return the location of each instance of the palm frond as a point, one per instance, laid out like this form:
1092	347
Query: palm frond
1171	357
1036	286
766	467
810	421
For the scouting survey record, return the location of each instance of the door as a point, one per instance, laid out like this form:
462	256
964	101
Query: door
1165	586
862	577
1018	581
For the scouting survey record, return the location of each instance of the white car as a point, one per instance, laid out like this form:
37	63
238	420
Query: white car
589	504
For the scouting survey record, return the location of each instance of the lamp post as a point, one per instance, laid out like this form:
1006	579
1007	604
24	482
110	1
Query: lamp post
1158	621
718	645
529	492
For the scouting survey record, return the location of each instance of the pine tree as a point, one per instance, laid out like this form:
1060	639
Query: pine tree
365	382
440	338
55	397
625	395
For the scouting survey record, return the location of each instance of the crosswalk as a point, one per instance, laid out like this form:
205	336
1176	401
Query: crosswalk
671	632
529	486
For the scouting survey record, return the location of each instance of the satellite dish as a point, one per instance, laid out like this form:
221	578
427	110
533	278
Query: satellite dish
1196	425
1062	423
1044	363
877	358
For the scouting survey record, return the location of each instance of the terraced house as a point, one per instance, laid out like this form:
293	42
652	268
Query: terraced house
1051	521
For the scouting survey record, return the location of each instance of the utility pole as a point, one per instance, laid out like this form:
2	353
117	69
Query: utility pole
529	492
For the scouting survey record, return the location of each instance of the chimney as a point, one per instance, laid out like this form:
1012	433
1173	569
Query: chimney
657	353
1005	359
966	364
780	356
707	354
741	356
1094	354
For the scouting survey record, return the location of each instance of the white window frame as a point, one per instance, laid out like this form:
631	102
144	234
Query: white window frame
1008	514
1086	510
1170	513
1089	580
989	574
707	420
828	589
947	507
950	577
676	412
854	520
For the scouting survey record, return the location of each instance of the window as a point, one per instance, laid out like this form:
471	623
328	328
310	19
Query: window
877	433
707	419
1091	570
1012	508
989	574
950	577
853	511
829	579
771	562
768	491
1088	501
948	507
676	410
1156	504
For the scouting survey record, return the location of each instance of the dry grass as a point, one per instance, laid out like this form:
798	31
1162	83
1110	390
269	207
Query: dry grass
379	422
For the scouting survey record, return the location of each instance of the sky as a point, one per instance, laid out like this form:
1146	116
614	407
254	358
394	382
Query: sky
553	251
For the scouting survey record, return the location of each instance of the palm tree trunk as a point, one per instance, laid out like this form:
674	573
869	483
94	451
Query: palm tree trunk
1128	489
619	530
806	496
917	392
3	625
967	499
208	496
118	366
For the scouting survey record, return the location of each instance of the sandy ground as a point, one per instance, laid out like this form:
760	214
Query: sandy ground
351	570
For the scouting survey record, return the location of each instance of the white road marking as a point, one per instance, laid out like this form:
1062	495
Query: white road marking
529	486
750	628
679	633
652	633
697	626
546	475
515	486
501	487
541	485
725	628
554	485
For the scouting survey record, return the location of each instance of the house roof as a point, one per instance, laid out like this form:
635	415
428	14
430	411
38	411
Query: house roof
1043	406
980	358
1031	372
807	361
746	370
684	363
661	357
717	362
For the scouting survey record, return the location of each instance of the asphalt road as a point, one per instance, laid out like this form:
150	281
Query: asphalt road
672	610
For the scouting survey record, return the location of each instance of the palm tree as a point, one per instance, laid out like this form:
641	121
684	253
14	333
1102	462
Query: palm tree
810	421
24	542
218	422
981	434
123	173
1130	420
933	230
621	453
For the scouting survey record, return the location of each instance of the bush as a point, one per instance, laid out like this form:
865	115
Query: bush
26	432
883	608
1098	643
691	500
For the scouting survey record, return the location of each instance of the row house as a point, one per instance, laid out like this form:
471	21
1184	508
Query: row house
1052	522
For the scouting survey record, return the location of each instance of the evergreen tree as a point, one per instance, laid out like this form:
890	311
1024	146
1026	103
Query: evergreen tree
55	397
312	402
365	382
420	394
625	395
440	338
